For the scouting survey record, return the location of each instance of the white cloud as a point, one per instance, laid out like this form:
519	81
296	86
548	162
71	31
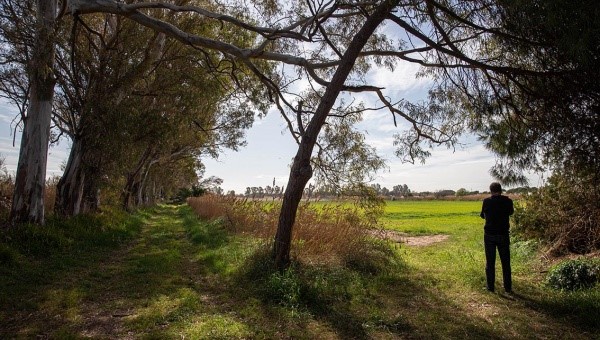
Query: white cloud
402	79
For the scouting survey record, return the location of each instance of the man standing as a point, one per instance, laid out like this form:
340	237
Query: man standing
496	211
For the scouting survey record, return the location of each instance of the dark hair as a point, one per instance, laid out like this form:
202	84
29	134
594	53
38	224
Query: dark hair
495	188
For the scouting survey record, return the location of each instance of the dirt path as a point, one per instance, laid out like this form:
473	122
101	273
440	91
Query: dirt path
174	280
158	268
137	289
417	241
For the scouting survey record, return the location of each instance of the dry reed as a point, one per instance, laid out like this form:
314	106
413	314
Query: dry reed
322	233
7	186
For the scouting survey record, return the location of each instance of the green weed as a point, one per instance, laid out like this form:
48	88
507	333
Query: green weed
574	275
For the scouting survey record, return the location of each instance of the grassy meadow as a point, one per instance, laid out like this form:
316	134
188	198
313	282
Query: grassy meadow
162	273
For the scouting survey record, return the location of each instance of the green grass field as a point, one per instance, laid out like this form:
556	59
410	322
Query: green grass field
430	217
163	274
451	276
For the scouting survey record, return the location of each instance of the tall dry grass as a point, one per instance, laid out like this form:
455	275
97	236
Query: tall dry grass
6	190
7	187
332	232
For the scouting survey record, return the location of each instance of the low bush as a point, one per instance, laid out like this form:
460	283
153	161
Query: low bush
7	186
316	288
6	190
73	235
574	275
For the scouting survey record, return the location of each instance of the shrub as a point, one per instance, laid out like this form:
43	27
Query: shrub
6	190
574	275
184	193
563	215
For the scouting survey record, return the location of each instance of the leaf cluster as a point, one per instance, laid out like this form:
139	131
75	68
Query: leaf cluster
574	275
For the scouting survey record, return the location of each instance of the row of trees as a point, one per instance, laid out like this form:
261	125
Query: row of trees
328	191
519	74
138	107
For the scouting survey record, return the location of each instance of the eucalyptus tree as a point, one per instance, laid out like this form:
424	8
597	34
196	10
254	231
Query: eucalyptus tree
96	72
332	46
17	34
102	67
152	104
28	199
188	111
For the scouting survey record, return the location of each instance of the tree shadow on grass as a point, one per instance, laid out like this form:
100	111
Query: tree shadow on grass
356	302
95	287
358	305
579	309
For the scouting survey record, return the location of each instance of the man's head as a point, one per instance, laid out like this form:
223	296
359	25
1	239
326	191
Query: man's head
495	188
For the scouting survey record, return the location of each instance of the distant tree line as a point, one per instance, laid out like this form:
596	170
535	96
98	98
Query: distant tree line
329	191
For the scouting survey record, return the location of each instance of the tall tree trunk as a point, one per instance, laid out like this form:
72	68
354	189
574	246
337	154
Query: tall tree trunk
90	202
69	191
30	180
133	179
129	194
301	170
140	191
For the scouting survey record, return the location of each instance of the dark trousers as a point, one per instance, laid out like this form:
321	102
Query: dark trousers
502	242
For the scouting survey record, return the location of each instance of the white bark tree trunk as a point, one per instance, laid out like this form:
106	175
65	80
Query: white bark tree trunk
69	191
30	181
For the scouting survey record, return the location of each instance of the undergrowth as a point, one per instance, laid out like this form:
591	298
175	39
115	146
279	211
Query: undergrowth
574	274
318	289
162	273
75	234
563	215
32	255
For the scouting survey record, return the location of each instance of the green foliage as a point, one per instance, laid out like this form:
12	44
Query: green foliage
71	235
184	277
574	275
376	258
284	288
184	193
563	215
345	159
8	255
552	116
318	288
461	192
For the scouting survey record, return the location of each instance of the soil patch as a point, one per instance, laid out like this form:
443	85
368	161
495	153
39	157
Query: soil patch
400	237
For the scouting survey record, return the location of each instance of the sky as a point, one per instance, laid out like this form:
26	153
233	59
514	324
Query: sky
270	148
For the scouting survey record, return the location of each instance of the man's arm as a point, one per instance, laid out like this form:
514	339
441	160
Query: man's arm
482	214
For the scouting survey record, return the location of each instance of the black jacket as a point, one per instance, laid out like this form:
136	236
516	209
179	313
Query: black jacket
496	211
